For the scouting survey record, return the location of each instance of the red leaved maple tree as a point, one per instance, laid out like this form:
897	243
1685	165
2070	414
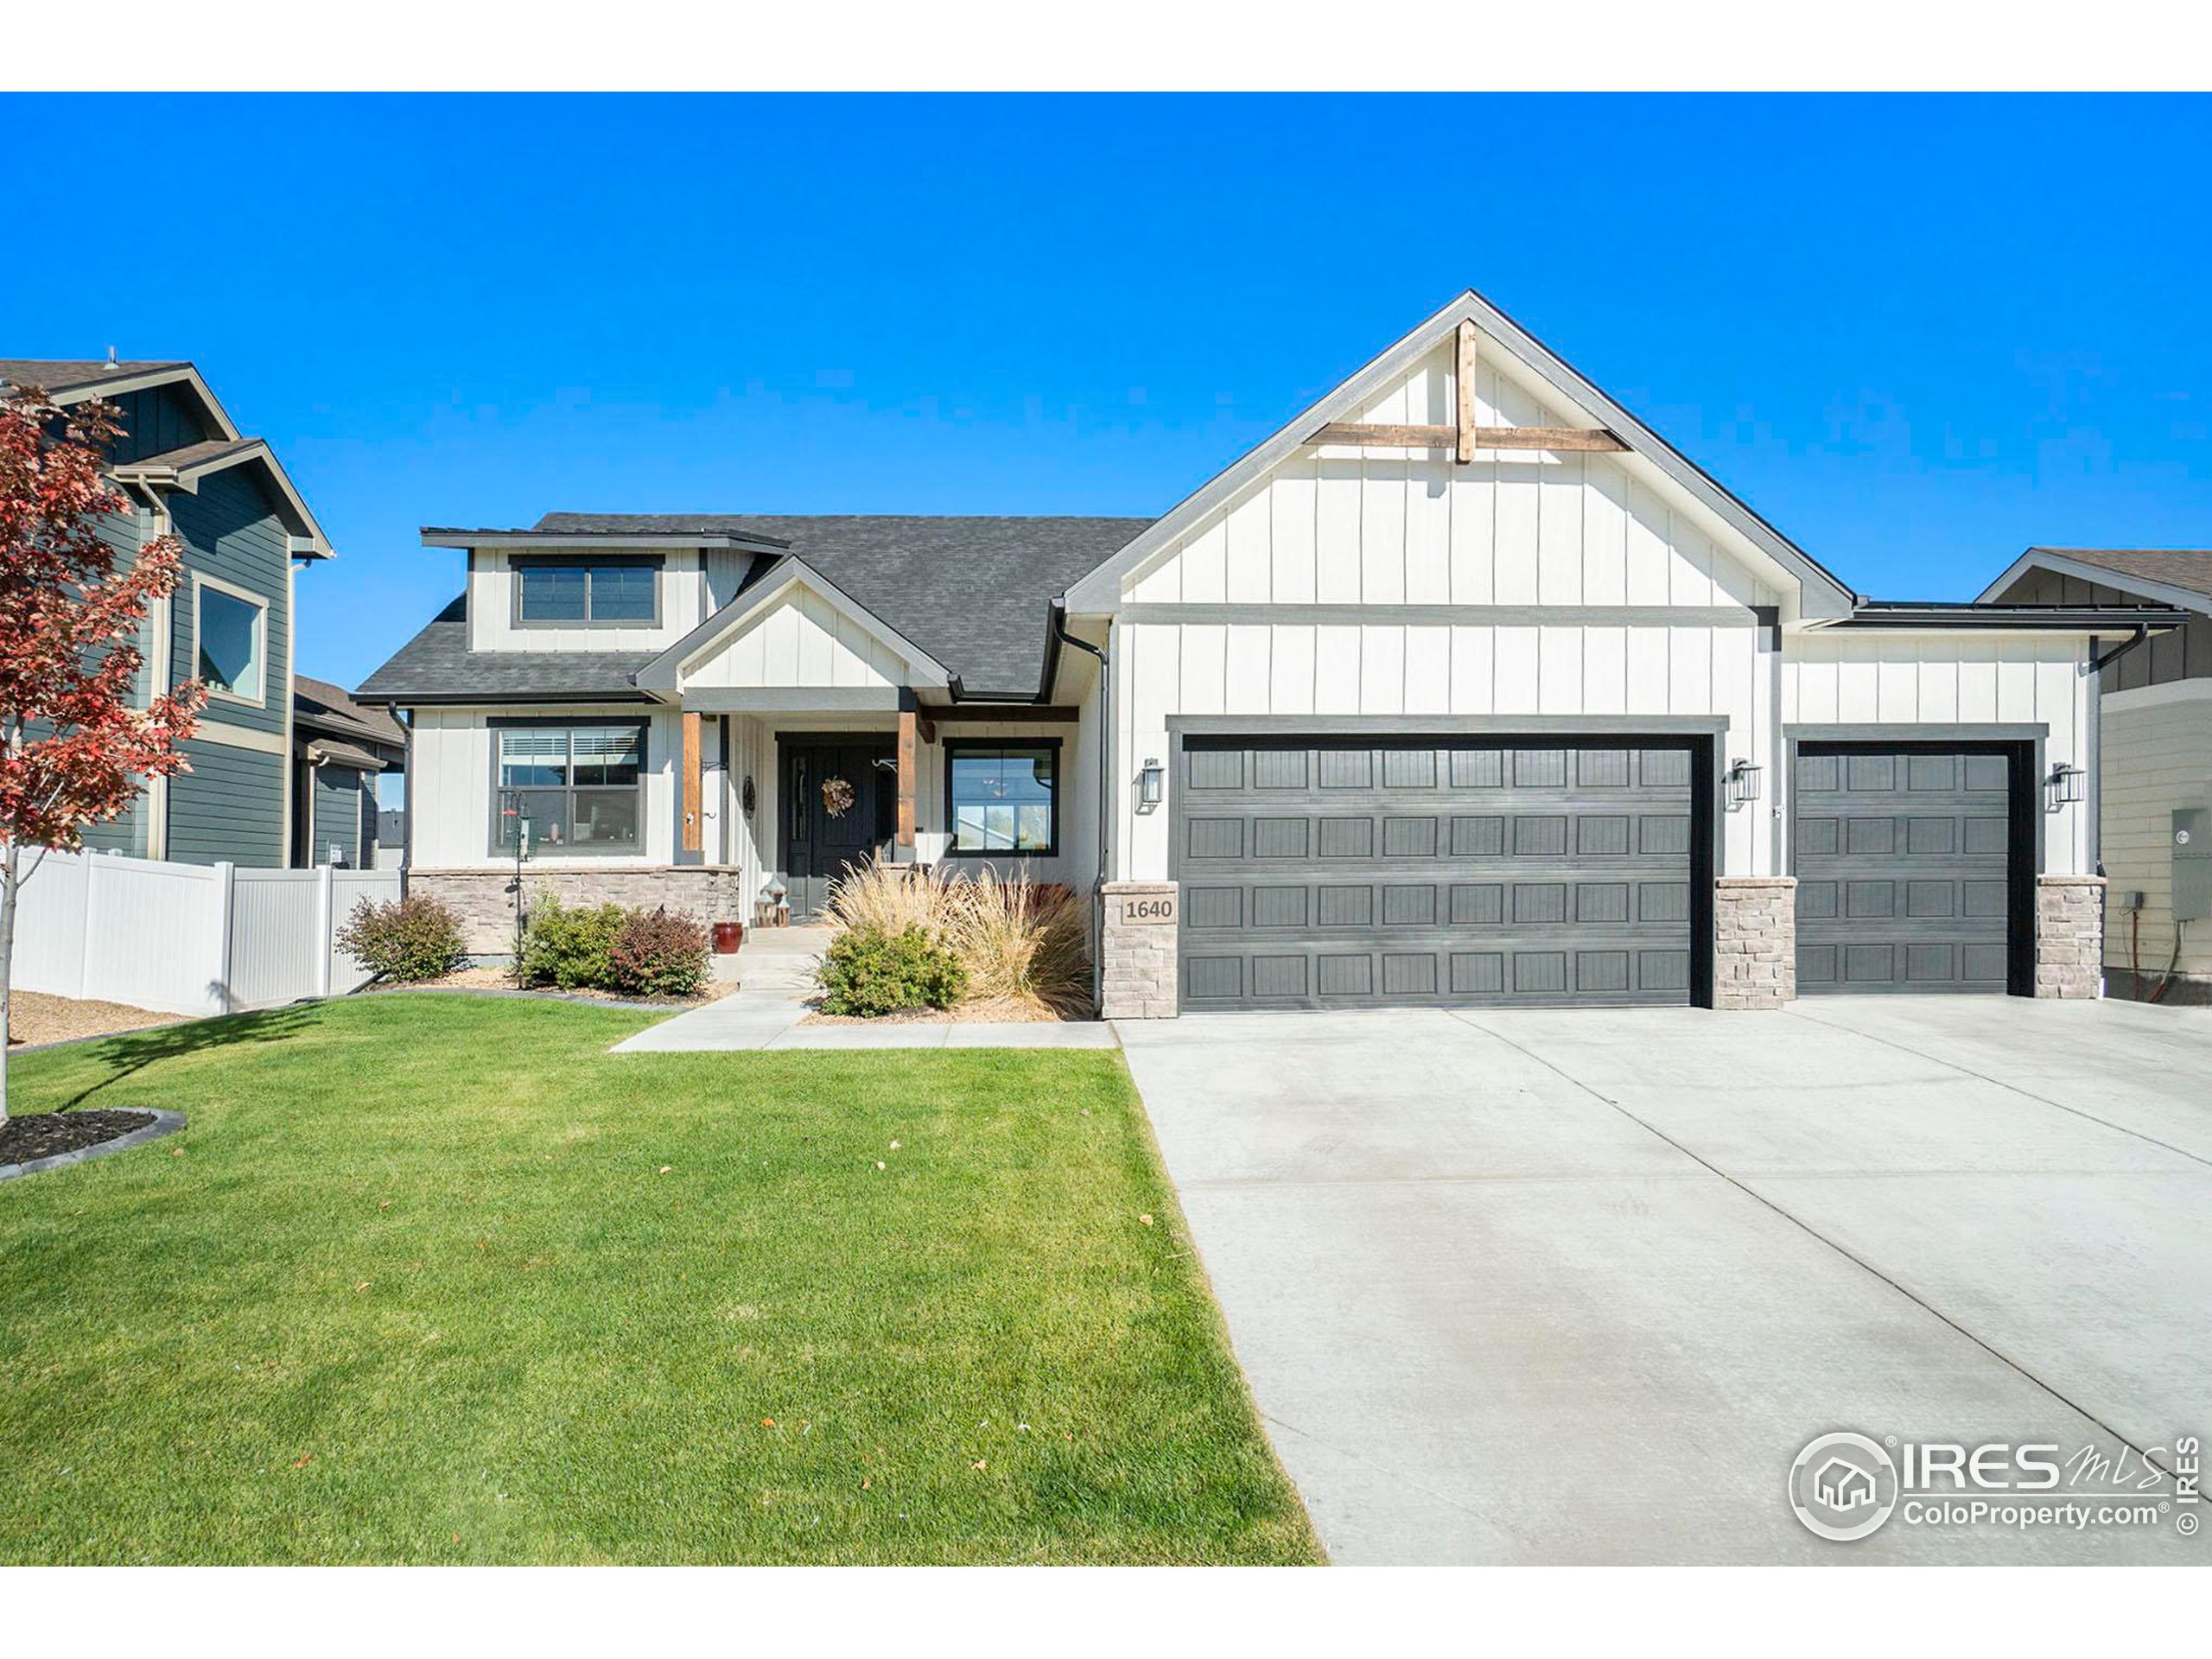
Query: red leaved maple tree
73	749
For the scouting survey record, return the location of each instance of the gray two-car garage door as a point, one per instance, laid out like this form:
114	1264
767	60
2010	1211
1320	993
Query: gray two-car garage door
1912	861
1346	872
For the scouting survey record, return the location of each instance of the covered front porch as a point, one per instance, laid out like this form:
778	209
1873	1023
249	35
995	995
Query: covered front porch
813	738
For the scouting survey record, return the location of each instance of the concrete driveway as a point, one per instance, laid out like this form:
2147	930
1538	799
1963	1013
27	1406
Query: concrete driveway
1577	1286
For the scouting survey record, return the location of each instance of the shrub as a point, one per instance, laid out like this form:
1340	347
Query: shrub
656	954
1022	942
573	948
891	898
868	971
414	937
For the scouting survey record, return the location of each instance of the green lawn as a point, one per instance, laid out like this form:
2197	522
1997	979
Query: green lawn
437	1278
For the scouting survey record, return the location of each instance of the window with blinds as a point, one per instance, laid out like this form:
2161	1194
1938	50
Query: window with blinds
570	789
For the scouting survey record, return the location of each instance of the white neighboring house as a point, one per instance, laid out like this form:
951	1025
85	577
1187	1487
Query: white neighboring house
1464	688
2154	764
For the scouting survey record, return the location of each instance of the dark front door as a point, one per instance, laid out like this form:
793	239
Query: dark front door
821	837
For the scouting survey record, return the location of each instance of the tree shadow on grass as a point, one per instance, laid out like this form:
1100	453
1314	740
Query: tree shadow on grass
133	1051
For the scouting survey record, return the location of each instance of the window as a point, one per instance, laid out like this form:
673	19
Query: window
1004	797
582	787
580	592
229	627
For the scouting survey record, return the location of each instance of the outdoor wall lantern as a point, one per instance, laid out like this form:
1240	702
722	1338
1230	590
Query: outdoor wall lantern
2064	787
1743	784
1149	783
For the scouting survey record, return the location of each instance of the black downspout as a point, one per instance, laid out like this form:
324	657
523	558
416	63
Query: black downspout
2121	650
407	795
1061	636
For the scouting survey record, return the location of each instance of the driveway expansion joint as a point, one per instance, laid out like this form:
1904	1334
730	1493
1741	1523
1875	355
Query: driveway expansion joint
1857	1261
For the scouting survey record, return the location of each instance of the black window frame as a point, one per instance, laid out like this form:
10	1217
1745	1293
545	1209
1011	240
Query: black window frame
956	747
501	847
521	562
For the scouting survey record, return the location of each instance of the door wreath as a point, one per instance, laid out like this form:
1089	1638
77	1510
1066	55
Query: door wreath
836	796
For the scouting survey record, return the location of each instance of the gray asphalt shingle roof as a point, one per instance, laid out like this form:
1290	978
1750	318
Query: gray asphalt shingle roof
68	374
2189	567
318	705
437	666
975	593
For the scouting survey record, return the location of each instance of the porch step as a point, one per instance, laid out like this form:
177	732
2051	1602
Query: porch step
781	958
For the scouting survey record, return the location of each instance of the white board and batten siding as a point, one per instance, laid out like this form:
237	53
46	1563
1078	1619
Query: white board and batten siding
1576	589
1344	524
451	764
187	939
682	588
803	640
1883	679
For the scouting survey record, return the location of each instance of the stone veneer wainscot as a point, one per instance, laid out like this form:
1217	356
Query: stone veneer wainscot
487	908
1138	958
2069	935
1754	941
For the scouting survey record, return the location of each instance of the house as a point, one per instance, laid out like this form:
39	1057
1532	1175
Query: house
339	751
1465	687
188	471
2153	768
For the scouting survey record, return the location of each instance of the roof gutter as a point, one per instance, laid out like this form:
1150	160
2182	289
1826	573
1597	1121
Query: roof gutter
2064	619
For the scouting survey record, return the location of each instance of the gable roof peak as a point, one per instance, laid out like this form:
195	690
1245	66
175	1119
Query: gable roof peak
1821	593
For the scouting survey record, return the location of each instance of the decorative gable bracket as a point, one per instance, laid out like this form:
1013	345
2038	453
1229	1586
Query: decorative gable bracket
1463	437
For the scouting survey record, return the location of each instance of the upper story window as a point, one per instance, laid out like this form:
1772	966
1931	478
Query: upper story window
229	626
1004	797
585	590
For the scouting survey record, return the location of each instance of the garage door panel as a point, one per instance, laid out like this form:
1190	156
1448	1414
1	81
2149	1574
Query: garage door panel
1436	872
1903	862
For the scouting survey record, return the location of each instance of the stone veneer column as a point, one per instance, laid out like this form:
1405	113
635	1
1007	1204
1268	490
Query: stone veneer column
1137	957
486	909
1754	941
2069	935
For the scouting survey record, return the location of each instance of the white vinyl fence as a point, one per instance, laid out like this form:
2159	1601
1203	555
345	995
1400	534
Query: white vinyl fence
187	938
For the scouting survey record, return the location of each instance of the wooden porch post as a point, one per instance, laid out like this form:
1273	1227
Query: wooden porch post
909	766
694	794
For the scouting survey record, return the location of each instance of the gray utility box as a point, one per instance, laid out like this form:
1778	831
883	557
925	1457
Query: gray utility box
2192	863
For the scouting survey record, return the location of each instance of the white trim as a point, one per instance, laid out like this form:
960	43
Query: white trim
666	672
2157	697
160	682
1820	592
238	737
260	698
2103	576
291	632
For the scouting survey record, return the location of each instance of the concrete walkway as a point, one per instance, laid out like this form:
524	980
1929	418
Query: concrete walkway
1577	1286
775	974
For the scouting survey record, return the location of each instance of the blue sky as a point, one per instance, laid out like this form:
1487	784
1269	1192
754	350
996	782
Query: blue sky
1917	333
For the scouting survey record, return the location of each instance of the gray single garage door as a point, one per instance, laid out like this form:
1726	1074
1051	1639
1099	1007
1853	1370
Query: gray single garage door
1909	866
1322	873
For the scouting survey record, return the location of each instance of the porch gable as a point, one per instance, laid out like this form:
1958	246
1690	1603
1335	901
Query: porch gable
793	631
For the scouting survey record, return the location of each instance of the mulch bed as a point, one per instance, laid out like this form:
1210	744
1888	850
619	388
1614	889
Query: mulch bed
48	1135
502	980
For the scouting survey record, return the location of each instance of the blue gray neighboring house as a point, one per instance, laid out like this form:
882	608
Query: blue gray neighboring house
188	471
340	748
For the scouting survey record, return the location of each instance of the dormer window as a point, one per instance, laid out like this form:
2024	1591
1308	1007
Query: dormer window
570	590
